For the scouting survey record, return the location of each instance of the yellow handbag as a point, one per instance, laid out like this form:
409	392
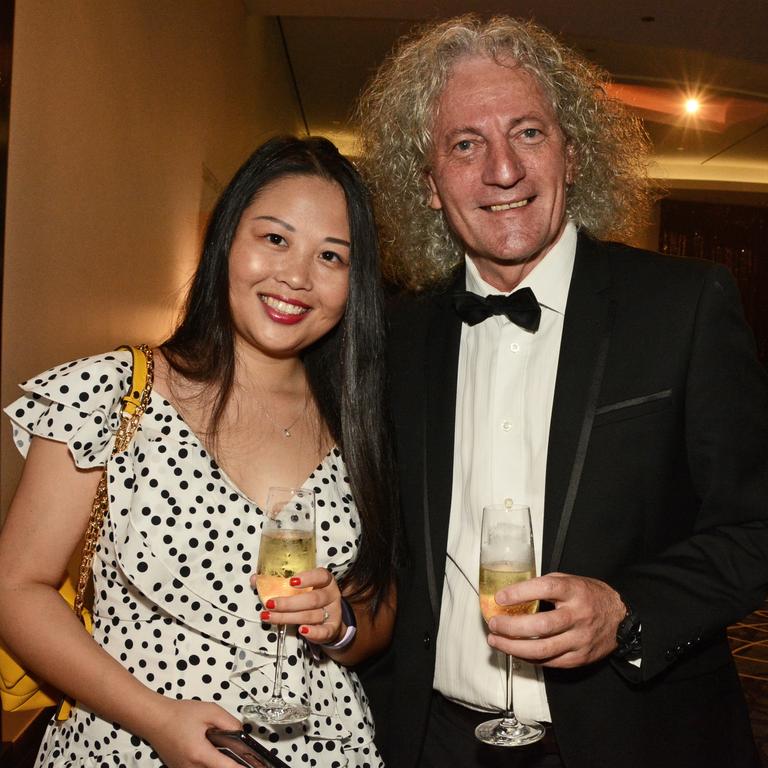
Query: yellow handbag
19	690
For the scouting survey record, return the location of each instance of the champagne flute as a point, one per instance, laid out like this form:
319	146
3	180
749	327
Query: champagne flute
506	557
287	547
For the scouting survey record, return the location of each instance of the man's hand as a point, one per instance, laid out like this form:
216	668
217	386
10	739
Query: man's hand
581	629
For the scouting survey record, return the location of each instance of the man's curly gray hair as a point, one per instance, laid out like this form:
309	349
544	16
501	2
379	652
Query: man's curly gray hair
610	193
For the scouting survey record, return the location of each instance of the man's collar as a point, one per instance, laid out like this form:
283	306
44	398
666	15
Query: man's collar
550	279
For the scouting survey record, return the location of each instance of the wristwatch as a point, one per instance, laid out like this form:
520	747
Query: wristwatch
628	635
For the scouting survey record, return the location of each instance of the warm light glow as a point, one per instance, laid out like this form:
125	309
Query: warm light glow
692	106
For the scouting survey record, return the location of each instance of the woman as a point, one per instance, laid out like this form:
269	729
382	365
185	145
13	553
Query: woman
272	374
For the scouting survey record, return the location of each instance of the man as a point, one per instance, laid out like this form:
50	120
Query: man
627	410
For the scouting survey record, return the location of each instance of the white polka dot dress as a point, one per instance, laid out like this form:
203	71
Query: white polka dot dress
171	575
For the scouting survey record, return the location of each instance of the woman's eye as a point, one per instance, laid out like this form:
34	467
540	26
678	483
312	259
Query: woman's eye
275	239
331	256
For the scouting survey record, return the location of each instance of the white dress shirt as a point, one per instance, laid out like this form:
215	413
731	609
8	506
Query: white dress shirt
505	389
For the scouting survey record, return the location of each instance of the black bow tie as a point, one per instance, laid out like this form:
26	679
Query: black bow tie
520	307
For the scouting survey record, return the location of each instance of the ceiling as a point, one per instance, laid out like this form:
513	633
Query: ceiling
658	52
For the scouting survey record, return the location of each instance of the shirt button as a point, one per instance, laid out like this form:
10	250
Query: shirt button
514	346
506	425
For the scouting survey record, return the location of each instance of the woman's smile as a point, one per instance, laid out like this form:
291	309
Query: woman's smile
283	310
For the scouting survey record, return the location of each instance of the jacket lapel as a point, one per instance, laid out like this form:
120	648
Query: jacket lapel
440	374
583	353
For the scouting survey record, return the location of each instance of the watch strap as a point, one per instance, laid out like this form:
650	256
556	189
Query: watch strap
628	635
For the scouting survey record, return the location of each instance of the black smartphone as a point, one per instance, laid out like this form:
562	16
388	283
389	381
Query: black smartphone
243	749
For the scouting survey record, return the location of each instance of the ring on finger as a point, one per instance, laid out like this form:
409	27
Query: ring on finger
326	615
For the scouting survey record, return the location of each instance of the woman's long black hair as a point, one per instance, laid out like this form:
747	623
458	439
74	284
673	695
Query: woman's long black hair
345	368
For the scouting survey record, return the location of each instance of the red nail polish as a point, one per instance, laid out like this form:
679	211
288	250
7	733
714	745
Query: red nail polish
295	581
303	630
270	604
264	615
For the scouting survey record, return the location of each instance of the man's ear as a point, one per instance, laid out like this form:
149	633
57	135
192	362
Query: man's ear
434	202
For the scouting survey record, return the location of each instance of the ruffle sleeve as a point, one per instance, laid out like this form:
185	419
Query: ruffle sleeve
77	403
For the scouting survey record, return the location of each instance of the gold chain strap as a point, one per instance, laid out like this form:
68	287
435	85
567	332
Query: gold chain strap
128	424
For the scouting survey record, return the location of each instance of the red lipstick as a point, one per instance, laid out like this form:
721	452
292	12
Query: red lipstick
283	310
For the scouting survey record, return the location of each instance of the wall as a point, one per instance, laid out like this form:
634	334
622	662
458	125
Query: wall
118	113
648	236
126	118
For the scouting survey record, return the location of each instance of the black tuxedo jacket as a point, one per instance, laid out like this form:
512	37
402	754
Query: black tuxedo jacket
656	483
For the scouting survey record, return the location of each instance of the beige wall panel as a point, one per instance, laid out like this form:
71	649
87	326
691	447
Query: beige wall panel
126	117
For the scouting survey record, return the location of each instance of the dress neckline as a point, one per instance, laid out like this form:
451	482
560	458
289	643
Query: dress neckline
157	397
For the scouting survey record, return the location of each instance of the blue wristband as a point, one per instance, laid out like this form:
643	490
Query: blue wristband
349	636
348	617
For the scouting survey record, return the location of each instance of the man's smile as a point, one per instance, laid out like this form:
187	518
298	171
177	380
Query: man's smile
507	206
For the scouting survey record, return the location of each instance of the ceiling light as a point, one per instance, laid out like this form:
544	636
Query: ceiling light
692	106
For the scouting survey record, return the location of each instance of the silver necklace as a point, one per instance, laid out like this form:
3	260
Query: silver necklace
285	430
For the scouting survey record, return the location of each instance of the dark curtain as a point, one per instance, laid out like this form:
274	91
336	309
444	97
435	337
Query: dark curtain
733	235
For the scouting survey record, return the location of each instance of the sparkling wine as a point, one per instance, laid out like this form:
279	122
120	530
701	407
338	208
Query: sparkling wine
283	554
497	575
506	558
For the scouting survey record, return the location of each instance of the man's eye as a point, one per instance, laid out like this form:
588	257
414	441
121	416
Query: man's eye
275	239
464	145
531	133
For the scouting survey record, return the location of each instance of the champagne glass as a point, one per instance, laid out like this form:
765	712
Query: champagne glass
506	557
287	547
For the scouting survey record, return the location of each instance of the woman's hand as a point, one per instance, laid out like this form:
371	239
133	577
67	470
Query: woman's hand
317	610
177	729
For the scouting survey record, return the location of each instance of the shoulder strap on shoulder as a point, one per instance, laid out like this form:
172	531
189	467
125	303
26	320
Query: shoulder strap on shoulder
141	379
135	401
134	405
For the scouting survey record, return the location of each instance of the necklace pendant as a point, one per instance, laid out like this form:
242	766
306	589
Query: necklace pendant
286	432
